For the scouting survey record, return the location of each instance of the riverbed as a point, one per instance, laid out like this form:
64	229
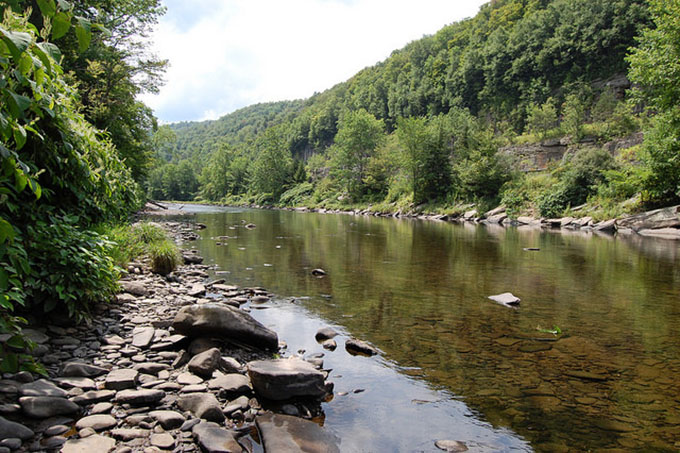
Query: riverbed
588	361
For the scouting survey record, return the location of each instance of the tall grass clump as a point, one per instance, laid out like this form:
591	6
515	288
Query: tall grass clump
144	239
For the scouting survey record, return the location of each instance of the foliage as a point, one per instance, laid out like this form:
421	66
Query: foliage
297	195
542	119
165	256
131	242
574	111
272	169
655	67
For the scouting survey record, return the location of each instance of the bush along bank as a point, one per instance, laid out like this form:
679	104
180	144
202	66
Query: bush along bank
175	363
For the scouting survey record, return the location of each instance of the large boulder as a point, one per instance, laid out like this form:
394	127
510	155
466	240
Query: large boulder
287	433
658	218
224	321
282	379
215	439
205	363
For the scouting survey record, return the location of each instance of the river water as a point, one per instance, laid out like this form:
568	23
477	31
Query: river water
454	364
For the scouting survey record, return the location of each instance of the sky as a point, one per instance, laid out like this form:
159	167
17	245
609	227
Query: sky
228	54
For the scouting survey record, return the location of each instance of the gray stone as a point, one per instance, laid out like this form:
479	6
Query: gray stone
9	429
330	344
151	368
201	344
101	408
202	405
354	346
76	382
35	336
287	433
94	396
127	434
230	383
140	397
41	387
134	288
212	438
282	379
162	440
47	406
197	290
91	444
451	446
224	321
189	379
205	363
55	430
142	336
13	443
121	379
606	226
507	299
168	419
98	422
325	333
665	233
77	369
230	365
658	218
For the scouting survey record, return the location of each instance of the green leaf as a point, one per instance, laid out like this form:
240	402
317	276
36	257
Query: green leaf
35	188
47	7
20	180
4	280
17	103
51	50
83	33
25	64
16	342
16	41
10	363
60	25
7	233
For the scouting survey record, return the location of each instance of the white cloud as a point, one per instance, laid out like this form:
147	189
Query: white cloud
227	54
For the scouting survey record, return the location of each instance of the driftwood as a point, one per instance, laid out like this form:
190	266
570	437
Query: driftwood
155	203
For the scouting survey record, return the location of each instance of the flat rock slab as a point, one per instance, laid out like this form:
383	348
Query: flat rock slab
42	387
202	405
164	441
134	288
168	419
507	299
282	379
10	429
230	383
78	369
76	382
212	438
47	406
126	434
224	321
358	347
142	337
91	444
94	396
140	397
98	422
121	379
288	433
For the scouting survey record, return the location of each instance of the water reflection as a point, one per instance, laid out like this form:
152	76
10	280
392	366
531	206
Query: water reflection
418	290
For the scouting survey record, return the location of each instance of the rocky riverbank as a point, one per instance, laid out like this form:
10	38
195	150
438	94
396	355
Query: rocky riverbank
175	363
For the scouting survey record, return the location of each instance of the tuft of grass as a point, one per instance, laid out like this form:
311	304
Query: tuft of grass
165	256
144	239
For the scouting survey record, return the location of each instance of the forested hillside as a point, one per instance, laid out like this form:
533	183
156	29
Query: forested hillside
425	125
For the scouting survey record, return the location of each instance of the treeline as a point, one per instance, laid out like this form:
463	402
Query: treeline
75	146
425	125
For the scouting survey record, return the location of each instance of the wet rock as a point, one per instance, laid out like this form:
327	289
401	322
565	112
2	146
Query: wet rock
13	443
507	299
224	321
318	272
282	379
91	444
205	363
354	346
79	369
142	337
451	445
41	387
191	257
330	345
202	405
121	379
47	406
325	333
98	422
9	429
230	383
214	439
168	419
287	433
140	397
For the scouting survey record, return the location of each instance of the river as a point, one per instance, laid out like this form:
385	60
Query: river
589	361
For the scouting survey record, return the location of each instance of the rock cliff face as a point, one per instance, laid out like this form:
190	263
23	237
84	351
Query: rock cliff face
537	156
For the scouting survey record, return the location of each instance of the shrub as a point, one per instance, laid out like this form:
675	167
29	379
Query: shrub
165	256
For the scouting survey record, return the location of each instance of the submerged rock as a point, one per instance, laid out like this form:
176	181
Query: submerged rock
288	433
282	379
451	445
354	347
226	322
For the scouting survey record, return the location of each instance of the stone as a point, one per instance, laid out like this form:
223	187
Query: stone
13	443
201	344
318	272
121	379
282	379
55	430
140	397
97	422
354	346
607	226
114	340
288	433
659	218
150	368
189	379
507	299
197	290
127	434
95	443
230	383
330	344
101	408
35	336
665	233
134	288
47	406
168	419
230	365
162	440
325	333
224	321
10	429
77	369
202	405
41	387
451	445
93	396
212	438
205	363
76	382
142	337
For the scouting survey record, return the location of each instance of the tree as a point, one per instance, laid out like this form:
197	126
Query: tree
359	134
574	115
272	169
655	67
541	119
